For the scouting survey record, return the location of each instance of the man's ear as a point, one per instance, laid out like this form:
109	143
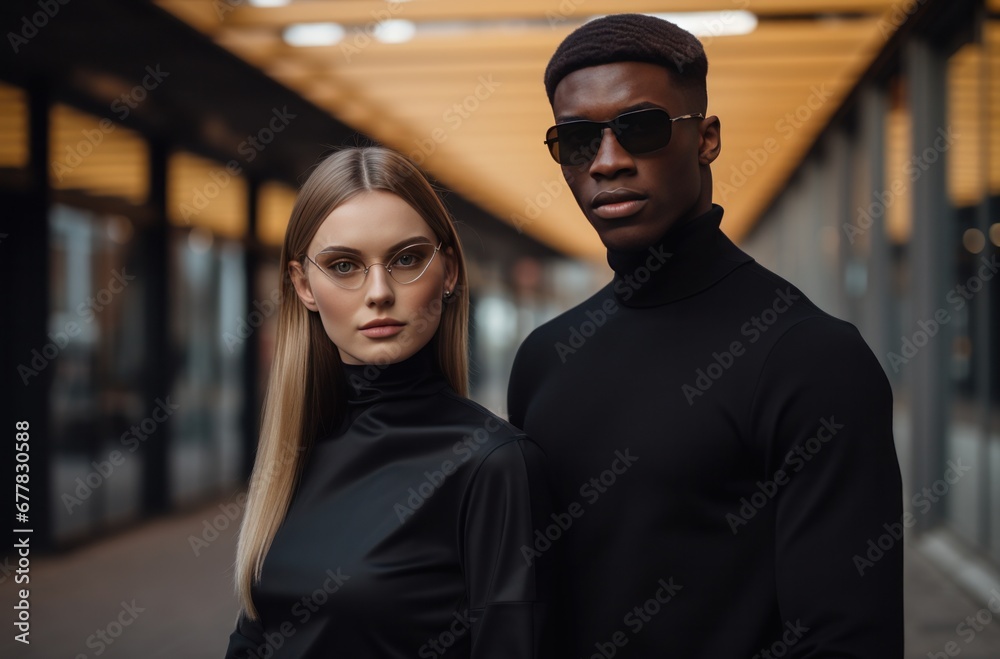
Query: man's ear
301	284
710	144
450	269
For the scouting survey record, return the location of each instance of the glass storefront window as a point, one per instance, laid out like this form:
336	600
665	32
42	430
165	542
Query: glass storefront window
973	134
991	211
210	326
898	218
95	322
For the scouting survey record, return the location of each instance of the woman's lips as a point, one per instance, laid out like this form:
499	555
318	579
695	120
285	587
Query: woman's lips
381	331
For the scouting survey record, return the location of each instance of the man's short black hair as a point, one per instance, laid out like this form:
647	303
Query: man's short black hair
631	38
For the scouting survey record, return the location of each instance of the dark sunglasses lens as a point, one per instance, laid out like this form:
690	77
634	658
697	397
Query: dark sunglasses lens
644	131
552	141
578	143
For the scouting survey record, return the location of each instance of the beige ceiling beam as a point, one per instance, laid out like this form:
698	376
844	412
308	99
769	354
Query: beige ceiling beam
733	71
400	93
776	39
359	12
532	93
781	71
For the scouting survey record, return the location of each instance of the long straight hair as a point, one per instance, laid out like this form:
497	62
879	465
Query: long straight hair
306	389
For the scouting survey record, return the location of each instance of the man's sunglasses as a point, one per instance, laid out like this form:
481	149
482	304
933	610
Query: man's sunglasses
575	143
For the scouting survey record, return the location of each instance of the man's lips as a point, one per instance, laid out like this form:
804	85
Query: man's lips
617	203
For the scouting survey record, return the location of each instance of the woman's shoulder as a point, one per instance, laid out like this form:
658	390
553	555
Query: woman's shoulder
478	418
487	436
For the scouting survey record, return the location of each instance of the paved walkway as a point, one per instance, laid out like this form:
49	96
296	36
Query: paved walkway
149	595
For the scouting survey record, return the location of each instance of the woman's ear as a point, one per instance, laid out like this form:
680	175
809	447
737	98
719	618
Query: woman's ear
450	269
301	284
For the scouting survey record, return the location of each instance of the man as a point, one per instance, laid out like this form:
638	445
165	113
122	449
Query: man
720	449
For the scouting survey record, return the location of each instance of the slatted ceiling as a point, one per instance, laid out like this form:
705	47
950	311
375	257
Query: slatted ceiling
401	93
200	193
992	40
967	169
85	158
199	15
464	68
287	69
898	214
13	127
251	43
965	157
274	208
818	37
356	12
743	215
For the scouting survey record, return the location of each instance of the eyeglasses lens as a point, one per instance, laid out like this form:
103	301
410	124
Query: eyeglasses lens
348	271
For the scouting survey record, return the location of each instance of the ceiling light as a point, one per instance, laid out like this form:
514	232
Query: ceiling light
270	3
314	34
395	31
713	23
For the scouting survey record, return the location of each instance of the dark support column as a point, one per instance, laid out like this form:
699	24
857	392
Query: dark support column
24	267
871	179
931	270
982	343
33	253
251	349
160	374
840	212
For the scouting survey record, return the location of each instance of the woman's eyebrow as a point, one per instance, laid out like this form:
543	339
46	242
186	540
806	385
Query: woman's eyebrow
413	240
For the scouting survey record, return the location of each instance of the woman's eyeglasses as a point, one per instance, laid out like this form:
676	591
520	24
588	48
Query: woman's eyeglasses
575	143
347	270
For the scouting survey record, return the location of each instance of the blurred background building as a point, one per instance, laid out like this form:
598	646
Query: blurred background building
150	153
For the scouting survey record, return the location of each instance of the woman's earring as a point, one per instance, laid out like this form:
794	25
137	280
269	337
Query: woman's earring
447	294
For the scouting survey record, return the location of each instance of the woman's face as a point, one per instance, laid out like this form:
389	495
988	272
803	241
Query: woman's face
382	321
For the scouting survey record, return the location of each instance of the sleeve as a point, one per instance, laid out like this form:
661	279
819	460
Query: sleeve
246	640
506	583
822	411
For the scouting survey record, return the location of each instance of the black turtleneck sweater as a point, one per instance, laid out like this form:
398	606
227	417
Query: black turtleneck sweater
722	461
404	537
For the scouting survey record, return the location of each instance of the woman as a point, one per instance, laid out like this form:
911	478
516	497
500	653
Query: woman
387	513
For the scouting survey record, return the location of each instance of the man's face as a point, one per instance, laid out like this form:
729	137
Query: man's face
631	200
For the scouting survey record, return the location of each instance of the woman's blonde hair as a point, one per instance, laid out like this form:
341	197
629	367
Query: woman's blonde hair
307	384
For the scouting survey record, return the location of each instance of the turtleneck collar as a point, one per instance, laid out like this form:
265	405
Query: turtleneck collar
689	258
414	376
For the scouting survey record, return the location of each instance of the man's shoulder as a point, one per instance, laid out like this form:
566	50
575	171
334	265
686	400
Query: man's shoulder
786	321
757	286
806	334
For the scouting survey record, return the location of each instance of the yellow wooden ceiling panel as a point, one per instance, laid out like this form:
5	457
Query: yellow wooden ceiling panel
13	127
363	12
274	210
203	193
83	148
781	82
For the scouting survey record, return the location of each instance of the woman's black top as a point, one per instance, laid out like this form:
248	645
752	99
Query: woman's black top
404	538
